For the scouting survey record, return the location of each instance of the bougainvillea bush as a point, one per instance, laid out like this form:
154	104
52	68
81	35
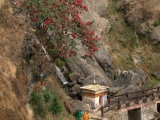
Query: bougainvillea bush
60	25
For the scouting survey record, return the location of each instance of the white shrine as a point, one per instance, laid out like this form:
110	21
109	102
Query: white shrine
94	95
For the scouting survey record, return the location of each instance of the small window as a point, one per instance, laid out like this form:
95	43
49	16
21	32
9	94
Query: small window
134	114
158	107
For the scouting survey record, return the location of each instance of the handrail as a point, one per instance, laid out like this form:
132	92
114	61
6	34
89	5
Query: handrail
135	92
117	100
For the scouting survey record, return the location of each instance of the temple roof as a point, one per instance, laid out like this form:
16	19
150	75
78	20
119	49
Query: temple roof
94	88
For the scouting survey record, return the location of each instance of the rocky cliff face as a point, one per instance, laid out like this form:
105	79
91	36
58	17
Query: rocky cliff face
100	66
144	15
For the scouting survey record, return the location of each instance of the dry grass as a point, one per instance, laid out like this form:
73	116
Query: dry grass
13	79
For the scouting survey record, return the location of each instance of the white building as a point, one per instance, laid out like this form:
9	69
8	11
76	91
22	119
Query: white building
94	96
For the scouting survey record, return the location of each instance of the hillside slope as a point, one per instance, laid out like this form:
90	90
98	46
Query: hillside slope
13	83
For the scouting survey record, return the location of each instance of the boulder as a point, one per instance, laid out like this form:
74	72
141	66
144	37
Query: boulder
77	105
98	79
157	74
98	5
72	83
136	59
104	59
114	90
127	78
65	70
139	72
75	88
130	88
73	76
155	36
88	68
74	67
80	81
96	8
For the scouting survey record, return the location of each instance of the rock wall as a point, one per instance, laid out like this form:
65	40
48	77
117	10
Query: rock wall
100	66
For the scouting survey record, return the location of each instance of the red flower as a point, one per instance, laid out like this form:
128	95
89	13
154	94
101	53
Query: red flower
65	56
20	0
92	32
35	19
70	54
65	20
78	2
16	4
38	12
74	35
88	23
85	8
45	27
95	48
91	52
22	5
51	21
80	22
54	6
78	16
46	21
86	55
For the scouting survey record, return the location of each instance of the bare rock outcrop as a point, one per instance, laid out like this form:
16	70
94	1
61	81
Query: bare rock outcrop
100	64
128	81
143	17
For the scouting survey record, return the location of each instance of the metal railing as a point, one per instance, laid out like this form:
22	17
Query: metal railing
115	102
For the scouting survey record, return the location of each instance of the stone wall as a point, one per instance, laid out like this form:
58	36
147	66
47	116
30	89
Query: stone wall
147	112
144	111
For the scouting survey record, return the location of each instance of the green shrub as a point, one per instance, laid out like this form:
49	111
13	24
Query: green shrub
40	109
156	23
56	107
38	104
47	96
34	98
61	63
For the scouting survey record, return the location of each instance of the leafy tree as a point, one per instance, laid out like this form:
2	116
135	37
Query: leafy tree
60	26
56	107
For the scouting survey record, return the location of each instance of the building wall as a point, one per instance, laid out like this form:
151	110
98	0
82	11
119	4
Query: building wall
93	103
147	111
122	116
89	102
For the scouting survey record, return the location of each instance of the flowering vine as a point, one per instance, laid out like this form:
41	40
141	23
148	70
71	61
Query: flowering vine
59	21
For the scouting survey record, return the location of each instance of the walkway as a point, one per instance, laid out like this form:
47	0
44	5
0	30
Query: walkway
127	101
